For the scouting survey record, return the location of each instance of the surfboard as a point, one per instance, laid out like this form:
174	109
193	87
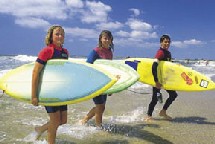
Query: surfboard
62	82
128	76
172	76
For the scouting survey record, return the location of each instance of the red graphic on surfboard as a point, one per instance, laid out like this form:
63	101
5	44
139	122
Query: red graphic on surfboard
188	80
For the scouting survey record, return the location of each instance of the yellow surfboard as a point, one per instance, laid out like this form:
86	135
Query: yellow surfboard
172	76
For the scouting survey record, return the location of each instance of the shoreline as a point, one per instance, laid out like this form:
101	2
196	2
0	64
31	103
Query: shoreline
192	112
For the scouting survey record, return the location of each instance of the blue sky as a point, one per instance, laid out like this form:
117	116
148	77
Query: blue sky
135	24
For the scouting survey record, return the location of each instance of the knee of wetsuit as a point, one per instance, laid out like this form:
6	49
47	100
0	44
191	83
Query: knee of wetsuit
173	95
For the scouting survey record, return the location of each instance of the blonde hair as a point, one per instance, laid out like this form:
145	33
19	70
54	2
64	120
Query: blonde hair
48	38
108	33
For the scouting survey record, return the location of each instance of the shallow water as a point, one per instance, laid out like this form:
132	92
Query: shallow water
18	120
193	113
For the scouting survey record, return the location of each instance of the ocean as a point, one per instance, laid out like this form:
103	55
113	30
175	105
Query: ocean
123	117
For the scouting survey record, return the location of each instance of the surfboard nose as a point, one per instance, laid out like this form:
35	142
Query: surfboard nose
2	85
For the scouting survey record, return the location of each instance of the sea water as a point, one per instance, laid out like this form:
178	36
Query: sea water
18	119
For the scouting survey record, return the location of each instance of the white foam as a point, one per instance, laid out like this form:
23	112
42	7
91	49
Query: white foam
76	131
40	142
138	85
3	72
31	137
133	116
34	122
25	58
31	107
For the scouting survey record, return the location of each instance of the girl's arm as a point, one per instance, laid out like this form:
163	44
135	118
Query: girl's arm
92	57
35	81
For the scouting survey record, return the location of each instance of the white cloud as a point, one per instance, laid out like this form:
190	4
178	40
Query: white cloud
136	24
193	42
143	35
81	33
178	44
74	3
135	11
40	14
32	22
95	12
187	43
131	43
54	9
109	25
122	33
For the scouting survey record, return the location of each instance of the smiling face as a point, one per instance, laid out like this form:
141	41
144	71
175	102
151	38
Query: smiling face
106	41
58	36
165	44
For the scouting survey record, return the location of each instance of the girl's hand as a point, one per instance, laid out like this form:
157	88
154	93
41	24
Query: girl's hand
118	77
34	101
158	85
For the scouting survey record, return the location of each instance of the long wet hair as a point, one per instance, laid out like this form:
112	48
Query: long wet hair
48	38
109	34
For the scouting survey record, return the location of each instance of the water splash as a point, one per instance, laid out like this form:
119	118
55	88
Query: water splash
133	116
77	131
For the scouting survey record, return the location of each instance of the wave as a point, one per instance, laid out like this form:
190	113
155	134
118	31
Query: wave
25	58
10	62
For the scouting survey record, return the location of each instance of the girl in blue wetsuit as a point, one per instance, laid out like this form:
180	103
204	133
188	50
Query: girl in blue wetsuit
54	50
103	51
163	54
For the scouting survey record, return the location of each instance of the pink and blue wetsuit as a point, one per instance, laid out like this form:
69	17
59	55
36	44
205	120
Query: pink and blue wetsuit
53	52
100	53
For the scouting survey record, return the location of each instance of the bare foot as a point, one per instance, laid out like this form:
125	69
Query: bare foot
83	121
164	115
148	119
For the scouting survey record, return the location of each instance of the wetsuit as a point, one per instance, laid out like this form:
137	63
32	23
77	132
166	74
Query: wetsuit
53	52
161	55
100	53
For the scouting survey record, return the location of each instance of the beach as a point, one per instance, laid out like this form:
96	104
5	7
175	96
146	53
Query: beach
123	121
192	112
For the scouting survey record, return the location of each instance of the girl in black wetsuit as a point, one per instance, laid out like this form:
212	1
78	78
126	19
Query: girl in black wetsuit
163	54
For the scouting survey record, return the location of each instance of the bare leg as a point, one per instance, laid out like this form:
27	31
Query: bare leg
41	129
55	121
163	114
99	110
90	115
148	119
63	117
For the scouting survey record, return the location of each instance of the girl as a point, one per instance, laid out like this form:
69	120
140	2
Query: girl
54	50
163	54
103	51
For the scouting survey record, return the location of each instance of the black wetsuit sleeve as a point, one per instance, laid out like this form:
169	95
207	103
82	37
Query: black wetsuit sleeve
154	71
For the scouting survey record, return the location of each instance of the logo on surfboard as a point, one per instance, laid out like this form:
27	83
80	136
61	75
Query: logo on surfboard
188	80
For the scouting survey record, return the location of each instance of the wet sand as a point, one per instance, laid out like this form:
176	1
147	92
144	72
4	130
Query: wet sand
193	120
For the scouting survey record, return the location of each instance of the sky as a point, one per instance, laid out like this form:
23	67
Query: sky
136	26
